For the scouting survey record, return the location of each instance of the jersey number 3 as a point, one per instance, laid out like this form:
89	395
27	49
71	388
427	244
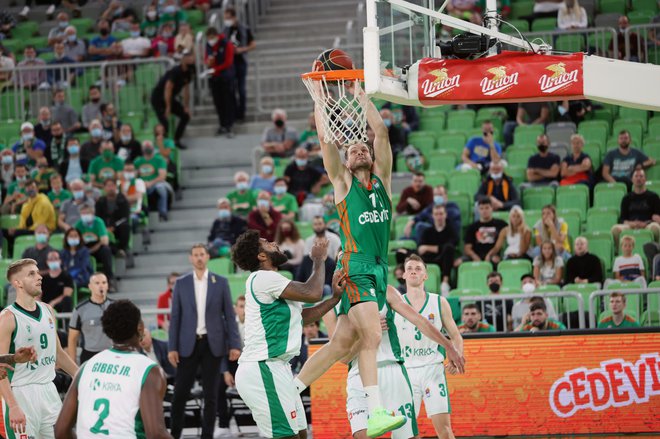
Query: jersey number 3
102	406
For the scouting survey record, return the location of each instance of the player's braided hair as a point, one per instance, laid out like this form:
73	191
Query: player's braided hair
245	251
120	321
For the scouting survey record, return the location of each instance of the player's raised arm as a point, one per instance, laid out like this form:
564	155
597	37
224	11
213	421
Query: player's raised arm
425	327
69	412
337	172
151	405
316	312
382	149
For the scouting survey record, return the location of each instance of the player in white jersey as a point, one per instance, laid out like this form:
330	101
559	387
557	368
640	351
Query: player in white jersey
117	394
30	400
424	358
273	332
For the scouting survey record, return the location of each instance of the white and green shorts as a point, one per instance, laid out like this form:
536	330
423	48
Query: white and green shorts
429	384
396	395
41	404
267	389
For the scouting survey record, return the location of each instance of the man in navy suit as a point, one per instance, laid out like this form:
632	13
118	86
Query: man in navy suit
202	331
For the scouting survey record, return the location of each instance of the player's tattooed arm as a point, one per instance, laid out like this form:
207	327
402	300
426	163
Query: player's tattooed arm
22	355
315	313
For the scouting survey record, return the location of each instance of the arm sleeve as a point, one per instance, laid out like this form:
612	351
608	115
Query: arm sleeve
229	58
74	323
267	286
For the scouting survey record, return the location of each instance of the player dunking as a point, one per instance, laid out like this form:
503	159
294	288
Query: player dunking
362	190
119	393
31	403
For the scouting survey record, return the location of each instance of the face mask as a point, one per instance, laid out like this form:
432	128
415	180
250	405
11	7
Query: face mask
126	139
45	123
224	214
494	287
41	238
542	147
78	195
263	204
73	242
29	58
528	288
279	190
54	265
438	199
87	218
129	175
63	24
279	123
107	154
301	162
229	23
167	34
152	15
95	100
171	9
497	176
30	193
387	122
242	186
96	132
21	178
27	137
147	151
71	38
212	41
266	169
7	160
104	32
73	149
135	33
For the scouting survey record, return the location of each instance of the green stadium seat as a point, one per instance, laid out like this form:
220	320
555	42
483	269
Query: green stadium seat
526	134
653	173
57	241
492	113
237	284
434	280
520	25
433	122
131	100
472	275
452	142
398	225
501	215
532	217
573	197
634	126
423	141
645	5
601	244
594	130
592	149
609	195
517	155
466	292
570	304
635	113
573	219
436	110
463	123
556	301
512	270
650	317
521	8
612	7
465	181
25	30
537	197
306	229
599	221
652	148
441	160
82	25
517	173
465	205
21	243
570	43
4	265
221	266
12	108
544	24
435	177
604	114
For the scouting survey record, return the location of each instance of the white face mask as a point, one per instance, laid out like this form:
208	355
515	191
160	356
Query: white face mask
528	288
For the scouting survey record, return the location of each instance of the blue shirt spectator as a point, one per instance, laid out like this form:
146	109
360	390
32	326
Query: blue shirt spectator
29	148
103	47
479	152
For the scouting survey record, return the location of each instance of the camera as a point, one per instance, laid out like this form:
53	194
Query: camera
464	45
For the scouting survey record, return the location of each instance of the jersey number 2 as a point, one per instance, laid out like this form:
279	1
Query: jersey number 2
101	405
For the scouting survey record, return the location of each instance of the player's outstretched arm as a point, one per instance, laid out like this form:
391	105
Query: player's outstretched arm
312	290
316	312
452	330
151	405
425	327
69	412
382	149
337	172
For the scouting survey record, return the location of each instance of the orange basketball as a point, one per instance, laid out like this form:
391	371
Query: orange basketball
333	59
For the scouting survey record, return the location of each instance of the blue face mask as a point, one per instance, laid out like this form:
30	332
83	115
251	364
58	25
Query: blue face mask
301	162
78	195
71	38
54	265
63	24
279	190
96	132
27	137
73	149
264	204
438	199
87	218
73	242
41	238
224	214
7	160
266	169
242	185
387	122
170	9
135	33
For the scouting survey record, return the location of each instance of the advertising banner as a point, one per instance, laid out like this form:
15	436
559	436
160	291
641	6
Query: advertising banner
508	77
557	384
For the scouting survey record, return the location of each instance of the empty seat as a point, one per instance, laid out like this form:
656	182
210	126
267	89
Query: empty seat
537	197
595	130
609	195
607	20
570	304
601	244
570	43
601	221
423	141
560	131
522	8
512	270
518	155
473	275
465	181
527	134
573	197
612	6
453	142
433	122
441	160
544	24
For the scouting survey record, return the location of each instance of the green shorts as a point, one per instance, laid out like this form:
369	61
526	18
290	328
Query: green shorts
366	281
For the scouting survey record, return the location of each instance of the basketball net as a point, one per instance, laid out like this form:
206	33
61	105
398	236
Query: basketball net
342	103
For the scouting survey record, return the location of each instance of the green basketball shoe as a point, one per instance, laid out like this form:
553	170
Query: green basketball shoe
381	421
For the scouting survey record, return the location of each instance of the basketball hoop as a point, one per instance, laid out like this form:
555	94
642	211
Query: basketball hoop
343	104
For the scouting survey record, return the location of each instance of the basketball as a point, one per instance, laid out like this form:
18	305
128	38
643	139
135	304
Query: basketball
333	59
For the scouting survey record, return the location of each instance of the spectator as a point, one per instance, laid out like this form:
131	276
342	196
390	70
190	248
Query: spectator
309	139
61	77
437	245
618	317
551	228
104	46
574	111
172	14
165	301
537	319
243	199
471	320
119	16
127	148
530	113
57	285
310	331
136	46
16	194
543	167
481	235
92	148
288	239
113	208
219	57
576	167
517	236
106	166
264	218
493	311
41	175
640	209
302	179
152	168
74	47
7	23
151	23
632	37
7	64
202	5
405	116
628	267
499	188
43	127
548	267
36	210
72	167
283	201
92	110
70	210
479	152
415	197
56	145
6	168
280	139
165	147
321	231
41	248
96	239
521	308
156	350
57	194
163	43
134	190
183	42
63	112
28	78
619	164
571	16
415	226
84	321
243	40
57	34
76	258
225	229
110	122
583	267
29	148
164	97
396	134
265	180
306	268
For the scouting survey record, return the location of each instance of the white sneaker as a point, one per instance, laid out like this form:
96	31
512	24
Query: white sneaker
221	432
50	10
24	12
444	289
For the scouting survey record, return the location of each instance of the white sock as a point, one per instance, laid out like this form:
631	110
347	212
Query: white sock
373	397
299	385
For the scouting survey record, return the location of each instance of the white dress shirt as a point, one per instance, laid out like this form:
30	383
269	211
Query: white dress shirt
201	288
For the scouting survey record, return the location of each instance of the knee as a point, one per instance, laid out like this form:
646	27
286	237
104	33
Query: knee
370	337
